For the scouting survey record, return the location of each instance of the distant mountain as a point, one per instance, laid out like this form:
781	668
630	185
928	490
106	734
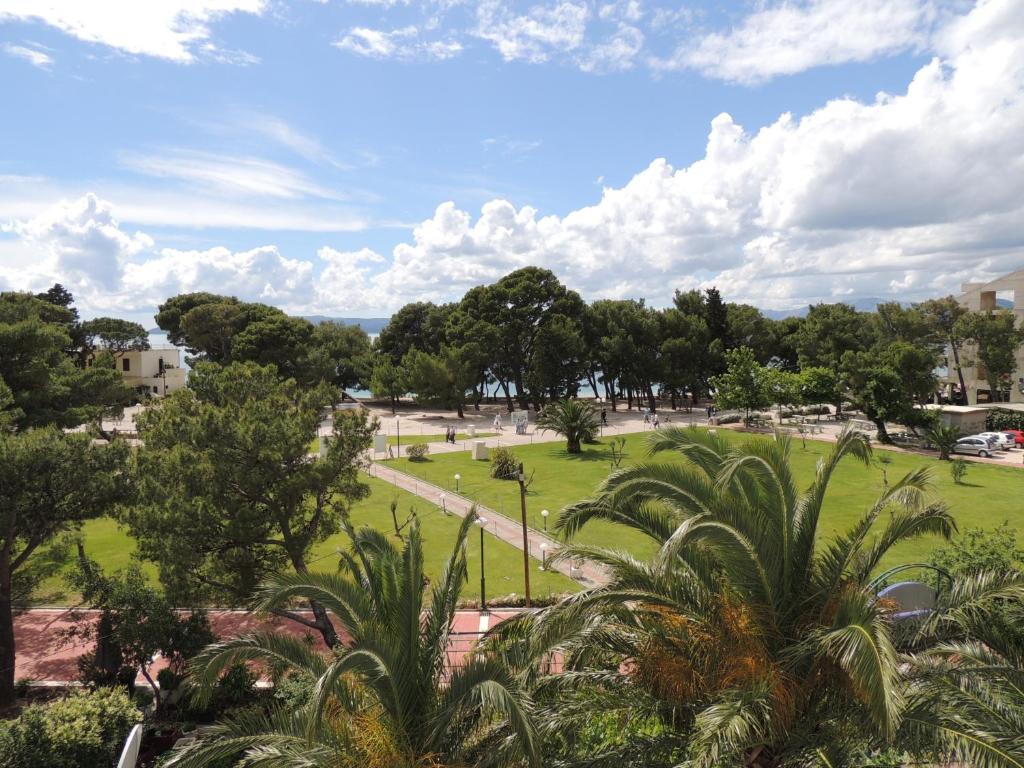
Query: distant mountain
866	304
368	324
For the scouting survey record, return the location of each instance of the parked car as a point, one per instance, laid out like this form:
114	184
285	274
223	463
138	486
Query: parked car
1001	440
973	446
1017	435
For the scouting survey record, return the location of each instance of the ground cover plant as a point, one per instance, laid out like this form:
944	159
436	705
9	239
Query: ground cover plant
985	500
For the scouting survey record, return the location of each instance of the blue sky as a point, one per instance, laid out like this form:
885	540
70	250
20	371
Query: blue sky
346	157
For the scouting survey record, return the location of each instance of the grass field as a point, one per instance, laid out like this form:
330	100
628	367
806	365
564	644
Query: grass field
113	548
989	497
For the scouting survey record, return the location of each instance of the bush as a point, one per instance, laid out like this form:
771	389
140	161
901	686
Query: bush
978	549
504	464
417	451
86	729
999	419
958	469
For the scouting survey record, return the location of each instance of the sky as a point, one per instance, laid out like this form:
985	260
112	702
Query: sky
346	157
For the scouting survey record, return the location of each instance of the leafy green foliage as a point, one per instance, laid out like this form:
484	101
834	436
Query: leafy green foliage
388	697
998	419
944	437
978	550
417	451
83	730
958	471
576	420
228	492
997	339
504	464
744	384
387	380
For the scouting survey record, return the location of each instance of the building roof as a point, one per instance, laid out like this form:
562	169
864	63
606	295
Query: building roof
956	408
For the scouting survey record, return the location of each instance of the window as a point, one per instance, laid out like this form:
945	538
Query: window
156	390
126	364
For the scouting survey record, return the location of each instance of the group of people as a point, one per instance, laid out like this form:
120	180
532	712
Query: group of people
449	435
651	417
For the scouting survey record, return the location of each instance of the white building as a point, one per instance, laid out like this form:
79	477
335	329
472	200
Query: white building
156	371
986	297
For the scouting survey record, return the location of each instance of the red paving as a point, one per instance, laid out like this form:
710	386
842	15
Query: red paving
45	657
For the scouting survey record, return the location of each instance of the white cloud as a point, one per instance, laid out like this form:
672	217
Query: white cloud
904	194
167	29
33	56
226	174
403	43
789	37
535	36
617	53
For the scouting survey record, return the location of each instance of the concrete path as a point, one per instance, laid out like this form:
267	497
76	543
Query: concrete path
505	528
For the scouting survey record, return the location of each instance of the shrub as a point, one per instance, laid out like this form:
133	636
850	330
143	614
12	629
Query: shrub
999	419
86	729
944	438
978	549
504	464
958	469
417	451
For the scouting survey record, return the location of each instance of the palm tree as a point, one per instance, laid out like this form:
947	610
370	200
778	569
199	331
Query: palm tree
944	437
966	698
751	639
389	696
575	419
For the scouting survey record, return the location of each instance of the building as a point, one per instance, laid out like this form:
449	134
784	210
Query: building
1006	292
157	371
968	419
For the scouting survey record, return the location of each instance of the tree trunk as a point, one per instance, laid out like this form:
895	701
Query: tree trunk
650	397
629	398
323	622
959	373
593	383
462	415
610	390
508	395
880	432
573	446
7	696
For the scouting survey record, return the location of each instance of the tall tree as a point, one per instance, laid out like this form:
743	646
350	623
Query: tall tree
50	482
945	314
744	384
828	332
997	339
441	379
420	325
387	379
113	334
229	492
752	637
277	340
172	312
39	367
338	354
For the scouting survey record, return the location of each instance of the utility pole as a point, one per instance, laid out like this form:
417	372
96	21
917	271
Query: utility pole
526	539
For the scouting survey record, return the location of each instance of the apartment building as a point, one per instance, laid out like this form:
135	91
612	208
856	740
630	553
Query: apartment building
1007	293
157	371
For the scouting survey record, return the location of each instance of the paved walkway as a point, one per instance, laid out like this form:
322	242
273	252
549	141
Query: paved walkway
505	528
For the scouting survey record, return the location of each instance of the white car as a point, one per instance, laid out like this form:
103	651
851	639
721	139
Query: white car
973	446
1002	440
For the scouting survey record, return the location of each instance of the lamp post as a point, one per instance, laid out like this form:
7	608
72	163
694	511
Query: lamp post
544	513
543	555
521	477
398	437
457	478
482	522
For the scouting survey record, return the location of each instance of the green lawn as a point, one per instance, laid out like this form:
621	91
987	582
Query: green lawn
988	498
113	548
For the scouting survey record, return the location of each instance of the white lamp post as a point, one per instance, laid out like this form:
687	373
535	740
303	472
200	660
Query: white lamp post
543	555
457	478
544	513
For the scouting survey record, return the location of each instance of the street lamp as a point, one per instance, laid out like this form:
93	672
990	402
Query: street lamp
444	508
398	437
457	478
544	513
482	522
543	555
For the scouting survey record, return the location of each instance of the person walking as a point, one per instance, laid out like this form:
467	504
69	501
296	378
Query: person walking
497	422
604	417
